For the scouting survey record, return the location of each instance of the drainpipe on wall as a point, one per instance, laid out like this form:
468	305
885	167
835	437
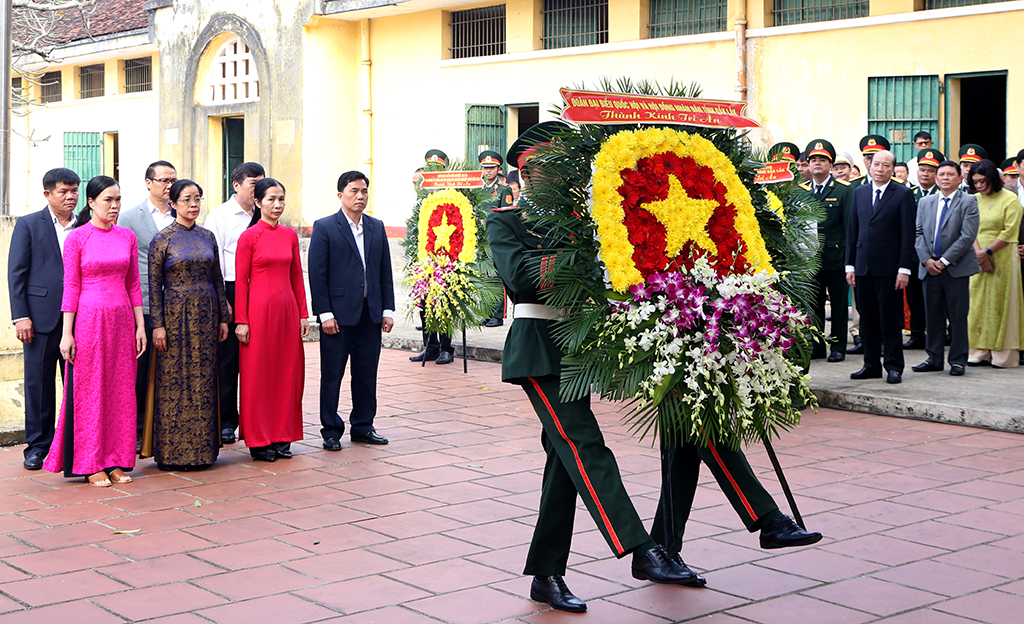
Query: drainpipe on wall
366	122
741	54
6	11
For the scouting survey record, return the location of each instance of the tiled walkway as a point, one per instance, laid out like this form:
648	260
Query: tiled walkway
923	524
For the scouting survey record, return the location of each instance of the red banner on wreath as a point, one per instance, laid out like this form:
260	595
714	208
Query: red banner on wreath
585	107
452	179
774	172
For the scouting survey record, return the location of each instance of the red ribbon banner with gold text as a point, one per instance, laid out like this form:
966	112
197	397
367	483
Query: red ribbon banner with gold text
587	107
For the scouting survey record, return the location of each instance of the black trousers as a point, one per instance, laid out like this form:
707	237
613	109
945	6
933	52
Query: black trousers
227	369
435	343
838	292
361	342
881	321
918	314
142	377
41	358
947	297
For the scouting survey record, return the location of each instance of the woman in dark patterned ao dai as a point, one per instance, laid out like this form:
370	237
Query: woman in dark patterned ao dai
189	311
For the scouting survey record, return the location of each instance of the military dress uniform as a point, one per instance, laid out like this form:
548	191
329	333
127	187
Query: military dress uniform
836	196
501	195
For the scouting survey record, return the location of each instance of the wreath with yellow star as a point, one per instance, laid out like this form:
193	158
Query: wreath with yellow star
447	227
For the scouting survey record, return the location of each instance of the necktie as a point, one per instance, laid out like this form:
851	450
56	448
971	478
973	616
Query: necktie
878	196
937	250
817	189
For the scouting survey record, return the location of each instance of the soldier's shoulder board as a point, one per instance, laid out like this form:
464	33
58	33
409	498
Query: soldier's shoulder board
806	186
843	182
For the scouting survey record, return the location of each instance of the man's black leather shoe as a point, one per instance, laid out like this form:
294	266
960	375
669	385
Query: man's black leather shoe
332	444
782	532
836	356
34	461
655	565
926	367
552	590
371	437
263	453
227	436
867	373
914	343
894	377
445	358
856	350
956	370
493	322
419	357
282	449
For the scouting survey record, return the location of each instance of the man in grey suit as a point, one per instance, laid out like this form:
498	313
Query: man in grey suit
146	220
947	224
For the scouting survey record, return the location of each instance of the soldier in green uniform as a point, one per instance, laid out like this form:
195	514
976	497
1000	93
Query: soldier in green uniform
914	292
501	195
969	154
578	461
869	146
836	196
783	151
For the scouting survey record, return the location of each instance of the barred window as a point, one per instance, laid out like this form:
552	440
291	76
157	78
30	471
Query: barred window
485	129
946	4
478	32
138	75
901	106
807	11
233	77
90	81
50	87
570	23
17	94
670	18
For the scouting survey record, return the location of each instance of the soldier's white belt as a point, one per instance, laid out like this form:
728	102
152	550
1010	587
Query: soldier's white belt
536	311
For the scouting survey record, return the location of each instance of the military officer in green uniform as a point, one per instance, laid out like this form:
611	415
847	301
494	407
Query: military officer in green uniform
969	154
578	461
836	196
783	151
501	195
926	184
869	146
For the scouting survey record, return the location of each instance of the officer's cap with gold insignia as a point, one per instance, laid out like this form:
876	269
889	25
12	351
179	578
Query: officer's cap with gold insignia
843	158
972	153
1009	167
821	147
436	156
874	143
525	147
931	157
490	158
783	151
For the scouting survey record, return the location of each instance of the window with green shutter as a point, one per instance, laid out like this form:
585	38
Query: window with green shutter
485	130
670	18
83	154
901	106
788	12
570	23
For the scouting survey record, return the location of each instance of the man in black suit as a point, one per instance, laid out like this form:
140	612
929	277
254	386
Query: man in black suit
947	224
353	295
879	256
35	279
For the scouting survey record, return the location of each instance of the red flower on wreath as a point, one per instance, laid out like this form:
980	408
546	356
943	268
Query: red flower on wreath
649	182
445	231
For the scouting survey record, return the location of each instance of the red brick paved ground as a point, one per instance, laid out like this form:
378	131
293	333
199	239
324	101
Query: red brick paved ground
923	524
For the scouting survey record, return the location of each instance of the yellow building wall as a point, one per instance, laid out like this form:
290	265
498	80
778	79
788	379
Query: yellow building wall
811	85
132	116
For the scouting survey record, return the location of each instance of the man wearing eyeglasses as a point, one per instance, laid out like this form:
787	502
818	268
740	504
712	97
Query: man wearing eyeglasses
146	220
922	141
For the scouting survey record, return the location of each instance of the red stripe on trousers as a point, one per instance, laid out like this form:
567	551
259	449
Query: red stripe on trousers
743	499
579	465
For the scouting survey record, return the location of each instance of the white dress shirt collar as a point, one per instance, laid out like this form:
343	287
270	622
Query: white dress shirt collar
60	230
161	219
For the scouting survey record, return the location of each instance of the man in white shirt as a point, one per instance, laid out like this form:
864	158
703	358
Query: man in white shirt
35	282
227	222
146	220
922	141
352	290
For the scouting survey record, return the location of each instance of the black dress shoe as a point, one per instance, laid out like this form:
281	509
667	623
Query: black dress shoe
552	590
371	437
419	357
282	449
867	373
956	370
1020	362
445	358
836	356
656	566
979	362
493	322
419	328
263	453
926	367
34	460
894	377
914	343
227	436
332	444
782	532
